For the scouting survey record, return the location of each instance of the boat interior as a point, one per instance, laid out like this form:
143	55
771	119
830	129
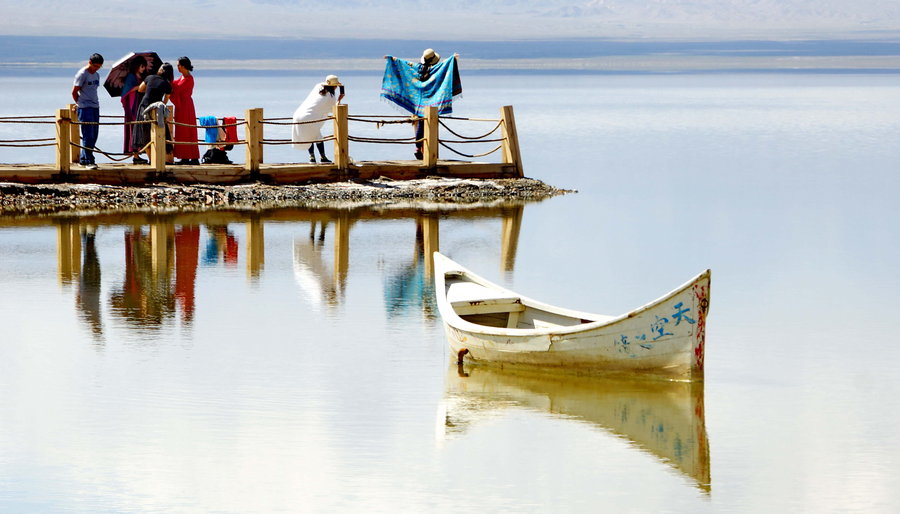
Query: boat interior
493	308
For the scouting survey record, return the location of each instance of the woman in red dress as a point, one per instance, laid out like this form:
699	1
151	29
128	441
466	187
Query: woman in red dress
182	89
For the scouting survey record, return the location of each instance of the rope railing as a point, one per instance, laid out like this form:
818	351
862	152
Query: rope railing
238	123
24	120
27	143
472	156
469	141
463	139
497	126
292	142
206	143
224	125
396	141
136	122
307	122
469	119
111	155
382	116
380	123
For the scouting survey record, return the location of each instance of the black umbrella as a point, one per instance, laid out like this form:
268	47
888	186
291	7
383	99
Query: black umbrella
116	78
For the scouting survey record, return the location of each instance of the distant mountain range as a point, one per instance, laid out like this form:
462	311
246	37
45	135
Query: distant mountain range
459	20
34	49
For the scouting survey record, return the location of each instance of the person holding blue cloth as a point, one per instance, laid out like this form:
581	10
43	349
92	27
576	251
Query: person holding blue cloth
427	83
84	92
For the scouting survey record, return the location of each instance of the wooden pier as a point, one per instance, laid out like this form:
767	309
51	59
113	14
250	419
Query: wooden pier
67	139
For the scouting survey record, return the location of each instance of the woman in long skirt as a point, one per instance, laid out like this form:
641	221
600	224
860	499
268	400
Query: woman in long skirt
155	88
182	91
131	98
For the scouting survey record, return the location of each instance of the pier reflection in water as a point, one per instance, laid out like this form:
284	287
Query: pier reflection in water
665	419
162	254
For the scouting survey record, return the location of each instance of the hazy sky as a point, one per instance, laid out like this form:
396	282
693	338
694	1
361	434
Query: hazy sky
462	19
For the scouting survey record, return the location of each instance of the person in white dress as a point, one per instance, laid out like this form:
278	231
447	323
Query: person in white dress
317	106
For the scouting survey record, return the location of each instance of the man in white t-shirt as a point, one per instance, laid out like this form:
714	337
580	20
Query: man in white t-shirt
84	92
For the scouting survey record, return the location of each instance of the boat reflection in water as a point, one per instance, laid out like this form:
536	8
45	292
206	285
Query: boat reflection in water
165	255
663	418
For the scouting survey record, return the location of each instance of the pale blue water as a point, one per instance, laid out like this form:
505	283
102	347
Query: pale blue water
295	390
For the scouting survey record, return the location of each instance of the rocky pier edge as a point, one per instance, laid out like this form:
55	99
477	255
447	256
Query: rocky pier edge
18	198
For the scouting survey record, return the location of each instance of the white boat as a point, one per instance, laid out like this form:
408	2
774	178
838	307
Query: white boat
486	323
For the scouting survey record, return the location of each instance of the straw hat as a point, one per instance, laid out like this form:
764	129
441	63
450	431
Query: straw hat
429	56
332	80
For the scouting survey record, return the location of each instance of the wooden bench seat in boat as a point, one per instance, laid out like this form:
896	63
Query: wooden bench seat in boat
539	323
467	299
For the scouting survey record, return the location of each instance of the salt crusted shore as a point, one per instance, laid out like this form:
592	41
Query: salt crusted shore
47	198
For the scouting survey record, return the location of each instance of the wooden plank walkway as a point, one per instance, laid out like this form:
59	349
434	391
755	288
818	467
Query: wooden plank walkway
132	174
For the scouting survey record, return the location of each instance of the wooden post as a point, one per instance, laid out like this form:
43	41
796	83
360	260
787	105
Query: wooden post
430	242
162	253
430	146
509	236
68	251
157	143
159	248
253	133
341	250
341	137
74	135
256	248
511	153
63	147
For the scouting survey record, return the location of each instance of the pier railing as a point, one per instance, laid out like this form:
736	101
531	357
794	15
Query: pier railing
28	142
502	132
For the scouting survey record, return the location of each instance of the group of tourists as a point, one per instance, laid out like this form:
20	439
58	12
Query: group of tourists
141	94
412	86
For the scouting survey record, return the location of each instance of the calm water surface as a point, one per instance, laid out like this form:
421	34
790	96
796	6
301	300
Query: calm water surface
293	360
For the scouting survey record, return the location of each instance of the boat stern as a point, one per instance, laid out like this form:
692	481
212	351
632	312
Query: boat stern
700	291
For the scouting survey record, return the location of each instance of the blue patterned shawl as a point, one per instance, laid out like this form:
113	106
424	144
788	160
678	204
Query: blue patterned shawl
402	85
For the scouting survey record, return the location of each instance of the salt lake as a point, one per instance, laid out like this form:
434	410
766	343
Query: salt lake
293	359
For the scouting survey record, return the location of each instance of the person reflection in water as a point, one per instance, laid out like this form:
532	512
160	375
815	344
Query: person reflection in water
187	256
149	295
88	299
221	245
408	289
312	271
145	298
